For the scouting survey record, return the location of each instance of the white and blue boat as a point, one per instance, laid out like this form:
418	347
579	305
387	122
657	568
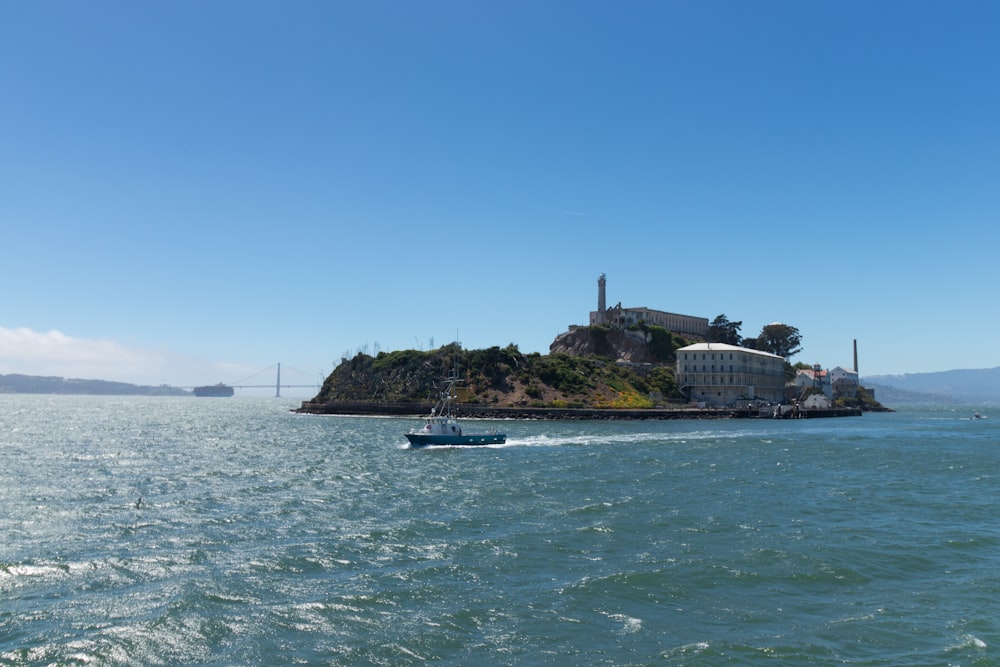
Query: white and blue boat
441	428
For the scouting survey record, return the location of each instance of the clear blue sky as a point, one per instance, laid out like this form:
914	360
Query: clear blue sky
191	191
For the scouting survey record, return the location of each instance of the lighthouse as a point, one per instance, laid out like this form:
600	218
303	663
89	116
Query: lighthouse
601	301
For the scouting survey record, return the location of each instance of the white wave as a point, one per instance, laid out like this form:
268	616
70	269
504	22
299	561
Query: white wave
967	641
585	438
33	571
630	624
686	649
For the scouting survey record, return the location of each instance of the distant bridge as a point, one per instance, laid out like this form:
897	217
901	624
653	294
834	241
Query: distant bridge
239	384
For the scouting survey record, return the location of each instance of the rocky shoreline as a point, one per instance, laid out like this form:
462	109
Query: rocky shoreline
478	411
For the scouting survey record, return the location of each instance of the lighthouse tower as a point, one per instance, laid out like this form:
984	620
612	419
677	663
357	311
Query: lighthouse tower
602	305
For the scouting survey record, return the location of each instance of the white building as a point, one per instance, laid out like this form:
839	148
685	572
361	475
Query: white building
840	373
816	401
844	382
836	383
815	378
723	375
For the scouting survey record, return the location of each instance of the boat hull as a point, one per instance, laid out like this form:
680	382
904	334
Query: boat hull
217	390
471	440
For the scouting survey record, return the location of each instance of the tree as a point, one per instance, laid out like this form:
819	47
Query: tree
721	330
780	339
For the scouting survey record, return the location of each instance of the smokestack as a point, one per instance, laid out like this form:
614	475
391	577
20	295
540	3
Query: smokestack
856	356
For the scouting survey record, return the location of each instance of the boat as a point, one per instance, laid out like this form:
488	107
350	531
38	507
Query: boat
214	390
441	428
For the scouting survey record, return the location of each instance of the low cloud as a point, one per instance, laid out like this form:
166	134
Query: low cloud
53	353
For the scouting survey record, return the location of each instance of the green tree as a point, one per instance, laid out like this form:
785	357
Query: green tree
780	339
721	330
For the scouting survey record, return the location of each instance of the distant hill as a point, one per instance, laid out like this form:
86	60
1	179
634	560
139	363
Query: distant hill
44	384
888	395
958	386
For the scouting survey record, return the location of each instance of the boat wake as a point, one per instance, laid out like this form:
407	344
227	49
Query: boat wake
583	439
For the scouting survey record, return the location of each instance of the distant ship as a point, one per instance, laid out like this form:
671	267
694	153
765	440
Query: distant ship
214	390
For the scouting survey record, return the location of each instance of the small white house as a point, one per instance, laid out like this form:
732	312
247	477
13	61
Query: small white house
816	401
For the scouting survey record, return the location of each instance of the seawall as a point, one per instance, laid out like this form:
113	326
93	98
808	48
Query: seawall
475	411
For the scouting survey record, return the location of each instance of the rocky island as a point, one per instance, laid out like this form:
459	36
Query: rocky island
594	372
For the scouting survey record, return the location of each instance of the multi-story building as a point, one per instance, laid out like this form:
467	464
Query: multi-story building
844	382
720	375
622	318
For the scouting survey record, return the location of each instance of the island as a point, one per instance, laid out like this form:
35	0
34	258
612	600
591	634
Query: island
16	383
594	372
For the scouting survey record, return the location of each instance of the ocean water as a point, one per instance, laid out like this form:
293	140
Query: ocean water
185	531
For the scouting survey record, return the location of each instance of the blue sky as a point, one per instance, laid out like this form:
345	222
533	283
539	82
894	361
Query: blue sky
191	191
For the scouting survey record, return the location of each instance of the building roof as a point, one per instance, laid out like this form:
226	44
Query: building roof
724	347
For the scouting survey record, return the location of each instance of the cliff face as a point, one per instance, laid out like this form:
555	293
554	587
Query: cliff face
652	345
614	345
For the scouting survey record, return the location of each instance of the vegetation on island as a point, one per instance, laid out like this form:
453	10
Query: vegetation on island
864	400
777	338
587	367
506	377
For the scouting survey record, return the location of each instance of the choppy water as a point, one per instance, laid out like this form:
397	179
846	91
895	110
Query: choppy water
269	538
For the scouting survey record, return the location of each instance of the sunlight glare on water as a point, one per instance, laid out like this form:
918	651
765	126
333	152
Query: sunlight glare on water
232	531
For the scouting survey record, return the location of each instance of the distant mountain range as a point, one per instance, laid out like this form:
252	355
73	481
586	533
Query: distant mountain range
959	386
43	384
